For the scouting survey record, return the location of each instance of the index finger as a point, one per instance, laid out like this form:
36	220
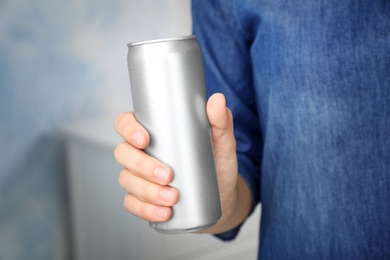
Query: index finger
131	131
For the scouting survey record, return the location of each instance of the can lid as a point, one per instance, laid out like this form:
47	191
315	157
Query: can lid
181	38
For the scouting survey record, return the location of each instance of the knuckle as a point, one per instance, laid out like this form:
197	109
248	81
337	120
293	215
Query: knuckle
120	121
124	124
142	165
119	150
150	193
117	121
127	203
144	191
139	209
122	180
125	130
143	212
133	206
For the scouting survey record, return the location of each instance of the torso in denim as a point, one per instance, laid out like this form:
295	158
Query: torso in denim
308	83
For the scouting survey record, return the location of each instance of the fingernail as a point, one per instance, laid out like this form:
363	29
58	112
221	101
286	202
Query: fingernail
160	212
138	138
161	174
166	195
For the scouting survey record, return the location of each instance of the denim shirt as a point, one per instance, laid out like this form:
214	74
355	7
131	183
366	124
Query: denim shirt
308	83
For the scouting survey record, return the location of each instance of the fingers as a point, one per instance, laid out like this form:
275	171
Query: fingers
127	126
146	191
146	200
142	165
146	211
144	178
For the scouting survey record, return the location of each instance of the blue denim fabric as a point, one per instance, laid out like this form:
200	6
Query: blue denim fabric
308	83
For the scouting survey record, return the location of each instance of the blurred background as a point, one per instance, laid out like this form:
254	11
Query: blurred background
61	63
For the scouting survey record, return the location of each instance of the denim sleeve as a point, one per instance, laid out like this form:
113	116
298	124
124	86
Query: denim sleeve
226	53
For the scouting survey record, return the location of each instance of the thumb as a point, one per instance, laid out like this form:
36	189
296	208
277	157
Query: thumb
221	121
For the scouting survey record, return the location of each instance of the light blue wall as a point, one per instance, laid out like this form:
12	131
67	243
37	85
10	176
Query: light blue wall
61	62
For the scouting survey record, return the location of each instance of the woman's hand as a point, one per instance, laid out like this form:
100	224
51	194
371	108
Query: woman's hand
146	180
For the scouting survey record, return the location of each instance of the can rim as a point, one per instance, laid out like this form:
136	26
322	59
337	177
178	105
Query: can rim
181	38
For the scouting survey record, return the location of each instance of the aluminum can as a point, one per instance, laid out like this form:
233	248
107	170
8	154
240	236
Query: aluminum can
169	100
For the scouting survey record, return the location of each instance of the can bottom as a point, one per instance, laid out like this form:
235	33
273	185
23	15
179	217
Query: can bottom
181	231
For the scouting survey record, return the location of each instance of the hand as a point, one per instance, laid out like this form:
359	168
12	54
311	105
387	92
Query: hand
146	179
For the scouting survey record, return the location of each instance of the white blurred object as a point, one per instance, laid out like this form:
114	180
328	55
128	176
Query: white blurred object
103	229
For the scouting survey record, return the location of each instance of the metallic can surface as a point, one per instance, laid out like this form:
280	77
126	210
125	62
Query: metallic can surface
169	99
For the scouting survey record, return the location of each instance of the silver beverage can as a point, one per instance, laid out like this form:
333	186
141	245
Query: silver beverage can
169	99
